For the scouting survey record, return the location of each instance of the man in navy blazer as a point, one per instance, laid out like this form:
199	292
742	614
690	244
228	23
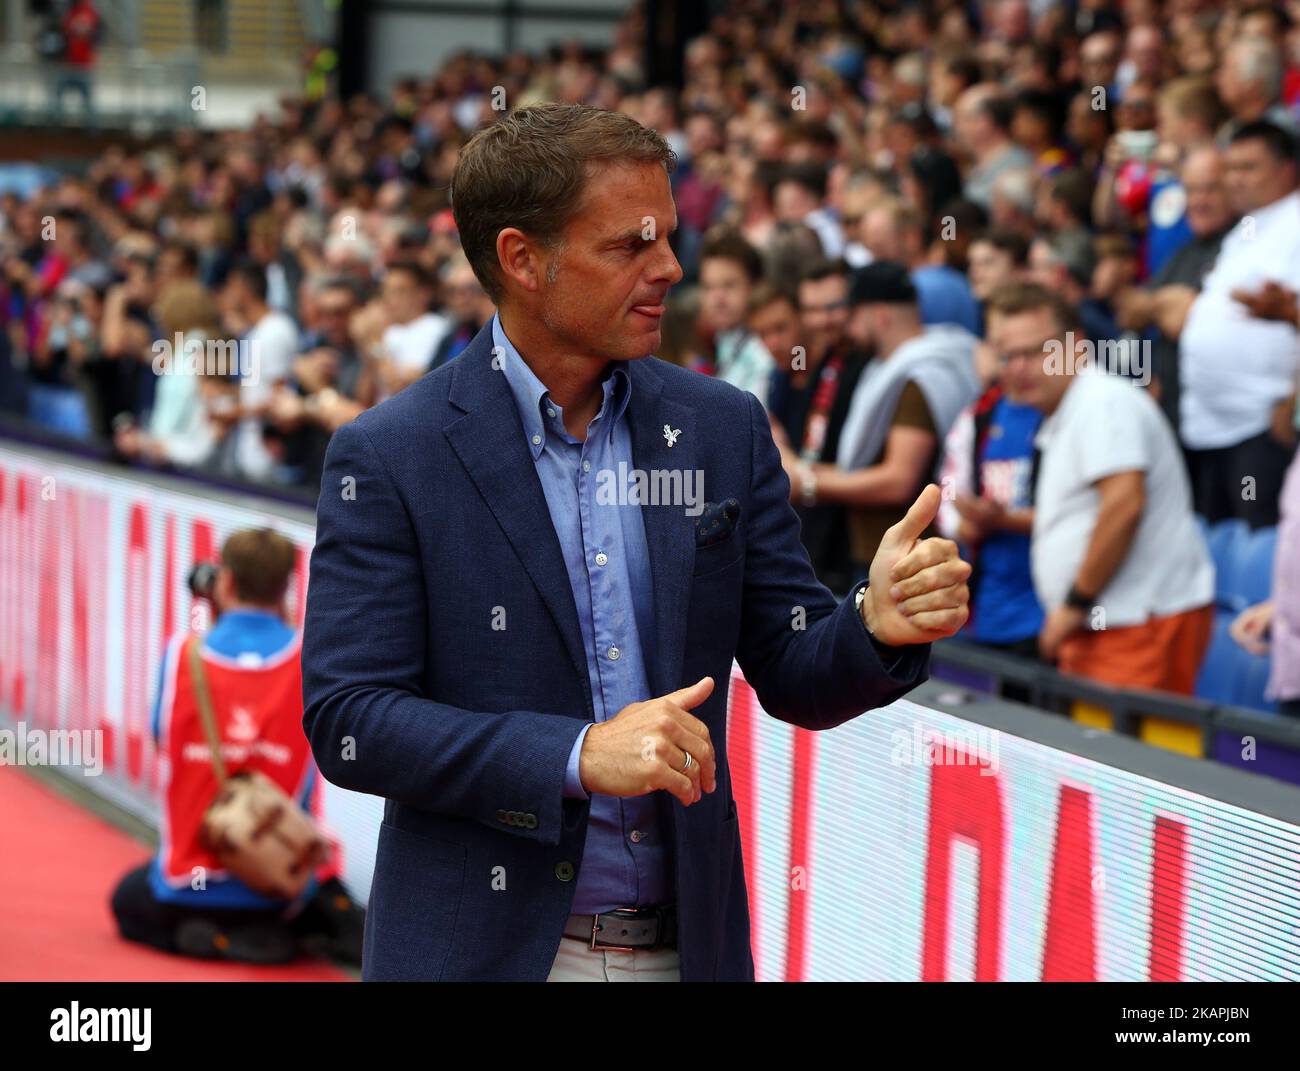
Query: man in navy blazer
533	570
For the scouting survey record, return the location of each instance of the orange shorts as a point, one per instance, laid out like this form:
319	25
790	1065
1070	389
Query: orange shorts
1164	653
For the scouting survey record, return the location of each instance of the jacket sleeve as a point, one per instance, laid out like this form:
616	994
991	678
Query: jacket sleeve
810	660
371	726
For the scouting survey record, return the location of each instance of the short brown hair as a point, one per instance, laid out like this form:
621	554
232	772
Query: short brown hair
529	170
727	243
1008	241
260	561
1010	299
187	305
1195	98
766	293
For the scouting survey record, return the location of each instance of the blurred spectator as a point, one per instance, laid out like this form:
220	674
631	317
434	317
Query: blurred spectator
1115	269
67	340
729	269
468	307
1119	563
331	383
982	123
269	338
1036	126
180	429
1239	371
1161	306
1273	627
811	392
1064	264
987	477
894	231
413	332
1089	129
798	198
997	257
1187	115
1064	202
952	73
73	48
1249	80
918	380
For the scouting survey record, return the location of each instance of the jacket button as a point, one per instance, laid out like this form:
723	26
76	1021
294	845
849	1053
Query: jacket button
502	817
530	821
564	871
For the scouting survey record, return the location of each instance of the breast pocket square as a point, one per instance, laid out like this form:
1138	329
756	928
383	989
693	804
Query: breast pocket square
716	522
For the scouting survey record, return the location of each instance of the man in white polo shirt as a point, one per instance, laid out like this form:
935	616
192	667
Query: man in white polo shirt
1118	561
414	332
1238	371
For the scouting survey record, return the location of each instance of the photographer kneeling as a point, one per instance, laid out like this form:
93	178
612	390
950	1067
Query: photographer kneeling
236	873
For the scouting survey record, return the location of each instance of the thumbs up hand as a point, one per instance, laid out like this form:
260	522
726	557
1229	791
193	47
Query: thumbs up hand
916	590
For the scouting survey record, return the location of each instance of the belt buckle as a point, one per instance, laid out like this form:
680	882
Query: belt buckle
595	929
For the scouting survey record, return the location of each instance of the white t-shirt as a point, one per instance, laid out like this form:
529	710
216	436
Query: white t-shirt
272	346
1106	424
412	344
1234	367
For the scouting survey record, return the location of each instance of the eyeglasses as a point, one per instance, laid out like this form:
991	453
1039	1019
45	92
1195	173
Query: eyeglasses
1027	353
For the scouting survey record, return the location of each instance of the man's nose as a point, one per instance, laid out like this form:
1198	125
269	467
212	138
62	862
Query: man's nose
669	267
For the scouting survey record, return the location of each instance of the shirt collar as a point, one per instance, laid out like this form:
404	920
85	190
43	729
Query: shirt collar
538	413
247	620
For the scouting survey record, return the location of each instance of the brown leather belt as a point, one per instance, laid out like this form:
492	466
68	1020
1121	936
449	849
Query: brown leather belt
626	929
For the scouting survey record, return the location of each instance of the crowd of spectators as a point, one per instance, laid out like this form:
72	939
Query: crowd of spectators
893	217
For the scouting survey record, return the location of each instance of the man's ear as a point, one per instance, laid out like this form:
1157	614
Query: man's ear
224	588
519	259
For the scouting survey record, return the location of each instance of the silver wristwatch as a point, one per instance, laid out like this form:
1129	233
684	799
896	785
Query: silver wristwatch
857	605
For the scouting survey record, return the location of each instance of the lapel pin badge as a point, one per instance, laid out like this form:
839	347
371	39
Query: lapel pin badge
670	434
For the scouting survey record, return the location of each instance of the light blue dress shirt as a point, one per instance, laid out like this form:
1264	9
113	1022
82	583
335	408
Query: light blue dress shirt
627	861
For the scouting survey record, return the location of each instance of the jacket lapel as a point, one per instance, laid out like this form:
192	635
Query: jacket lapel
669	529
489	440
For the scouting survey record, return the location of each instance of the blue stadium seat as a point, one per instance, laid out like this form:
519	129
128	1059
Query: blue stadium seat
1250	680
1230	674
1228	542
1255	575
1217	671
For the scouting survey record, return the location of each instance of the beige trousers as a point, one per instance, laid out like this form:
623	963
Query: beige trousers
576	961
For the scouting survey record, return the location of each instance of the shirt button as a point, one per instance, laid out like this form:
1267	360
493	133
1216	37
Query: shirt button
550	412
636	836
586	466
613	654
602	558
537	440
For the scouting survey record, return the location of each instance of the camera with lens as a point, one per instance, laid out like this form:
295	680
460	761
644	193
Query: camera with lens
203	580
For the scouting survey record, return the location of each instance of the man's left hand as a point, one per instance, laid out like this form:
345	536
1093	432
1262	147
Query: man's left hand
916	591
1272	301
1059	626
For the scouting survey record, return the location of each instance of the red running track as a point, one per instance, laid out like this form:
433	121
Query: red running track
58	867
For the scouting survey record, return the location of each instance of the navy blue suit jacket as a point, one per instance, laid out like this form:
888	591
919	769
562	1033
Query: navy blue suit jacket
432	534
